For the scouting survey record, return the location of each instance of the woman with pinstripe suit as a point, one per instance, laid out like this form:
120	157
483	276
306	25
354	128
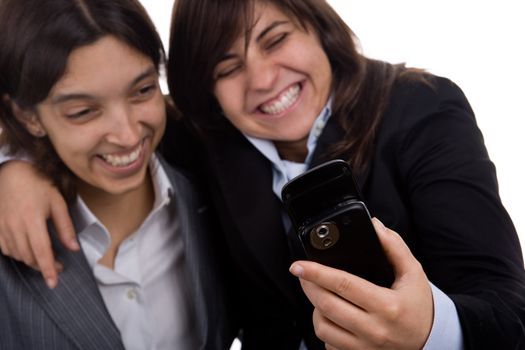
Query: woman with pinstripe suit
80	96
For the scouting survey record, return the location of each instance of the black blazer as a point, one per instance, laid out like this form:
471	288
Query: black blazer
430	179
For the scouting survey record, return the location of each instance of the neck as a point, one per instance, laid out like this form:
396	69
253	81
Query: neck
295	151
121	214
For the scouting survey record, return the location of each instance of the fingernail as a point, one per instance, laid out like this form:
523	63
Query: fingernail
296	270
74	244
59	267
51	283
380	225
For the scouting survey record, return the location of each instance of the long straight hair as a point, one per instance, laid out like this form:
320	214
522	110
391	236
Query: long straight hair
36	39
202	31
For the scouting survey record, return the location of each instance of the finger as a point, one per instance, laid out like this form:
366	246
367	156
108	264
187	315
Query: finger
336	309
63	224
334	336
41	246
3	247
10	249
59	266
396	251
353	288
24	252
330	347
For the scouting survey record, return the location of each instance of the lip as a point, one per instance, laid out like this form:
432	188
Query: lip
130	169
258	111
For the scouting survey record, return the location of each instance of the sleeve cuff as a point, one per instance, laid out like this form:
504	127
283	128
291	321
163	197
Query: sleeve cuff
446	330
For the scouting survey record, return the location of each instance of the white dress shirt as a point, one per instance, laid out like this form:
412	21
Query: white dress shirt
146	292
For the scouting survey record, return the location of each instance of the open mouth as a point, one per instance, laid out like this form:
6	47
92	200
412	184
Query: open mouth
123	160
284	101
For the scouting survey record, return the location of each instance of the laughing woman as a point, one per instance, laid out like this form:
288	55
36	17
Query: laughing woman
270	88
80	95
278	86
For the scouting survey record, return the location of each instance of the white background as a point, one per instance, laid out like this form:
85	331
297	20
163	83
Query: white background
478	44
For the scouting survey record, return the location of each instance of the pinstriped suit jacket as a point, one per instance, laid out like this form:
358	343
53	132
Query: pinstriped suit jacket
74	316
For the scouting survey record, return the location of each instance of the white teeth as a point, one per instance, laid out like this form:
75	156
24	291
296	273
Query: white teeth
121	161
282	102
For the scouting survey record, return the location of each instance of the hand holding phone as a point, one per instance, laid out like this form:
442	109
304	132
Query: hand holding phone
333	223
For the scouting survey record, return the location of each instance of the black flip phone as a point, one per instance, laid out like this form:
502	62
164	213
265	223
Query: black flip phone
333	223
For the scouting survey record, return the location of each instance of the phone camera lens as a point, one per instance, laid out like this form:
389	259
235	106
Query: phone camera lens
324	235
322	231
327	242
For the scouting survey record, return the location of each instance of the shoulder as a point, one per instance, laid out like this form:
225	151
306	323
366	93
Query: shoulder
425	91
429	116
423	97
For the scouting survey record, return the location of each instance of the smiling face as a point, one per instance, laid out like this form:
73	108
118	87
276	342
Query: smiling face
275	86
104	117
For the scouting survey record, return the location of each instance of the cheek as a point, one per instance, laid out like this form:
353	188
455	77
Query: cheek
232	110
316	59
158	119
154	118
75	154
229	97
159	127
221	98
74	144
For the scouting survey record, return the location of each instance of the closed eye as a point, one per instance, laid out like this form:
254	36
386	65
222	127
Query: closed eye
228	71
144	92
276	41
80	114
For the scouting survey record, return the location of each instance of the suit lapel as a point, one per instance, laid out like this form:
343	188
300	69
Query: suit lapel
245	177
75	305
333	133
194	256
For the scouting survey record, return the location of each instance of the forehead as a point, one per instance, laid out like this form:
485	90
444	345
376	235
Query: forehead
256	18
107	63
262	14
267	9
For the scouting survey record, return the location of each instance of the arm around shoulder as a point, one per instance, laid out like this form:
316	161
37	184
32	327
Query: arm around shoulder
27	200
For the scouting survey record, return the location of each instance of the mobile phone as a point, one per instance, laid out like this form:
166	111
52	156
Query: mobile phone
333	223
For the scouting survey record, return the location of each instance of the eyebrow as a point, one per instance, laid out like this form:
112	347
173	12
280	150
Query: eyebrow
268	29
258	39
81	96
226	57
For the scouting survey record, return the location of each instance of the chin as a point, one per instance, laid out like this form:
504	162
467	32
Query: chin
126	186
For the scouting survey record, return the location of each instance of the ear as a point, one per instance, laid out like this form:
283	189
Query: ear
28	118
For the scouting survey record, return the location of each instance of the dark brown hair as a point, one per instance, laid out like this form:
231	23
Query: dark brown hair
36	39
202	31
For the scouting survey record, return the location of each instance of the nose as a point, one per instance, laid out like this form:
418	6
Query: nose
262	73
123	127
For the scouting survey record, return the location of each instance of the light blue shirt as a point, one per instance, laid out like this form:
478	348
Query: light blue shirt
446	330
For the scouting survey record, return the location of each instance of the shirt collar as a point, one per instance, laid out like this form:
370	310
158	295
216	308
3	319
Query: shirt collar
284	170
161	183
268	149
317	129
85	221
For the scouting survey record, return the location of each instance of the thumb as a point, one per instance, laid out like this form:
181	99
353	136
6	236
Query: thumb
396	251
